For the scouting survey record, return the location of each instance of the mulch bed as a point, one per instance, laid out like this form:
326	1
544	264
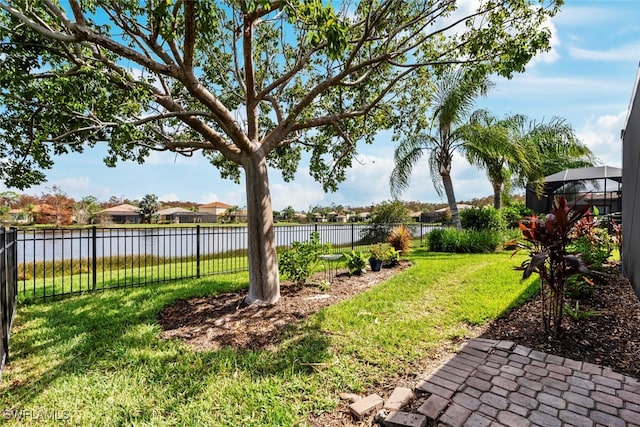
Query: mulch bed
611	337
213	322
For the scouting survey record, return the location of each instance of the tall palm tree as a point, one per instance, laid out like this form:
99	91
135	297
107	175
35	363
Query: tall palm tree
452	97
498	147
552	147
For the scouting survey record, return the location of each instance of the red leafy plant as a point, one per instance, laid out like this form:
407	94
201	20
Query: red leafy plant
547	240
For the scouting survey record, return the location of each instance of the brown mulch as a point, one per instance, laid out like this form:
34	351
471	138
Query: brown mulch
216	321
610	338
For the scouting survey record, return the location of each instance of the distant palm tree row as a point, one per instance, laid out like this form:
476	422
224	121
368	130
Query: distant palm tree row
514	151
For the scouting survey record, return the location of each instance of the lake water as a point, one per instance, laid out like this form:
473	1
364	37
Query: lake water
61	244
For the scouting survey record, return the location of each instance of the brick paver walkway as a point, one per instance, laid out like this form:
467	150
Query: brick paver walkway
494	383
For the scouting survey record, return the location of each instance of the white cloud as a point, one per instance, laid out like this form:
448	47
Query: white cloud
602	135
75	185
209	198
300	194
552	55
621	53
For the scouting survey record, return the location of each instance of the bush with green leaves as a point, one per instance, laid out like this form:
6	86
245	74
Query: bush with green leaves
356	262
464	241
595	246
514	212
298	262
482	218
391	257
579	287
382	220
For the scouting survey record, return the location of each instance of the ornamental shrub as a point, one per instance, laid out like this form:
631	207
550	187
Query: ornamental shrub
298	262
385	214
356	262
548	241
513	213
400	239
482	218
464	241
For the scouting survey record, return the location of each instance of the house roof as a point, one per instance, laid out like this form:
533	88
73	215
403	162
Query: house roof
171	211
557	180
121	210
599	172
216	205
459	206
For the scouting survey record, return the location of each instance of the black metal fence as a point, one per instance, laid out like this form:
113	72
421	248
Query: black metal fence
60	262
8	288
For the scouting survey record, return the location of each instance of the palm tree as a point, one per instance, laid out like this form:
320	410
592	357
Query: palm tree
498	147
452	97
552	147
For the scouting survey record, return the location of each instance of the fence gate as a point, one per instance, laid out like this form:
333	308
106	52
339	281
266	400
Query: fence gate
8	287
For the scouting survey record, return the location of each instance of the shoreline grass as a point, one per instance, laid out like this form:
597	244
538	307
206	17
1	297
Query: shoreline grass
100	357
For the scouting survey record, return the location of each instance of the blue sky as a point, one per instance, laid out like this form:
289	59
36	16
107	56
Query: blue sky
587	78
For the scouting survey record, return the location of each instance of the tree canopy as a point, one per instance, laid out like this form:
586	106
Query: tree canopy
439	134
497	146
149	205
248	83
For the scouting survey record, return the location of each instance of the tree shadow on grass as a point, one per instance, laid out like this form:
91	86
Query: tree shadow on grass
113	338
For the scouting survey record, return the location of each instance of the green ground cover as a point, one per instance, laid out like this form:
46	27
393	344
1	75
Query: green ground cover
98	358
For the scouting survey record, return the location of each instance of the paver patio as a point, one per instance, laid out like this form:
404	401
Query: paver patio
499	383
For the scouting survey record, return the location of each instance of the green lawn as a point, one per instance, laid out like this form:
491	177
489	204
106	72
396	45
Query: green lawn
98	357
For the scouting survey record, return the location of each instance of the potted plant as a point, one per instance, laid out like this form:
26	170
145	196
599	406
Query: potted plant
391	257
377	255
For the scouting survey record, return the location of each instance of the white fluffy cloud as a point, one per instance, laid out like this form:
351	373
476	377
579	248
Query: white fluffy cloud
618	53
602	135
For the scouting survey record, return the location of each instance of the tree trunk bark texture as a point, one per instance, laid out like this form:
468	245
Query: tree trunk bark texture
451	199
497	195
264	282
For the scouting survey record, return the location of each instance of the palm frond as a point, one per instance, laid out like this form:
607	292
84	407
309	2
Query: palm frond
406	156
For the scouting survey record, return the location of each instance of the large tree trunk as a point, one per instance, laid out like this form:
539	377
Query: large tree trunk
264	283
497	194
451	199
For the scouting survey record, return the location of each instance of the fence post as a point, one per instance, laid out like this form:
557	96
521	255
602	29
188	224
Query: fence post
4	358
198	251
94	259
14	261
353	231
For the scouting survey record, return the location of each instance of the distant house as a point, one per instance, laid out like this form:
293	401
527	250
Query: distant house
442	214
337	217
218	211
183	216
121	214
360	217
318	217
415	215
20	216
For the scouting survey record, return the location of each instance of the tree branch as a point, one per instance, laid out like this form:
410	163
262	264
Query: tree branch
189	34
